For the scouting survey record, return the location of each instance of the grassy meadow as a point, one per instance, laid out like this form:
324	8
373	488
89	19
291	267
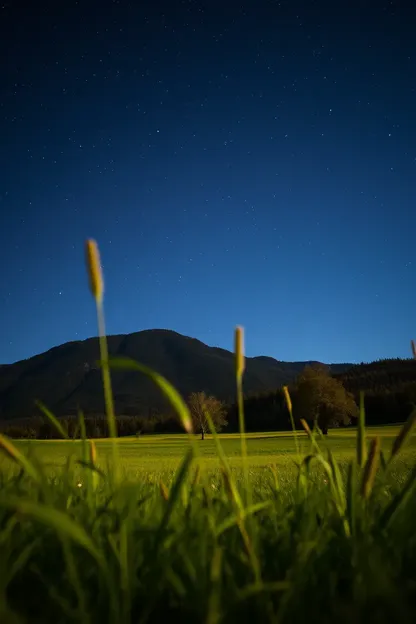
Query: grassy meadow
151	458
272	528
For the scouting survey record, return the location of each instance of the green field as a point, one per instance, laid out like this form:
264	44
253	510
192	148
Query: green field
155	457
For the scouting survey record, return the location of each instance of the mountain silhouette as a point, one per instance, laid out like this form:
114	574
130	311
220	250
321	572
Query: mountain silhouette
67	378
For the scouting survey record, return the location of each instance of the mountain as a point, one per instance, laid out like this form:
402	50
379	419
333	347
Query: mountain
67	377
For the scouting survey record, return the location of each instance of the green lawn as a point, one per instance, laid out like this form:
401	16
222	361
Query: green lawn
156	457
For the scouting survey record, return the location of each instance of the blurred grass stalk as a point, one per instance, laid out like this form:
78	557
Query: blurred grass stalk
239	373
97	289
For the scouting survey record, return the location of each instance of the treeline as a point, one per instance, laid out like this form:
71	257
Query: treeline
265	412
387	373
389	387
96	426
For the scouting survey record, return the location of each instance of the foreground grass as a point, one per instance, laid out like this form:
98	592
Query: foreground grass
176	542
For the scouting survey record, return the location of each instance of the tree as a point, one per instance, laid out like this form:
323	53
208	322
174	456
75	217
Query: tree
323	399
199	405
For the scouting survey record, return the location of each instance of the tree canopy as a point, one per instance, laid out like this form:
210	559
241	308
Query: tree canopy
323	399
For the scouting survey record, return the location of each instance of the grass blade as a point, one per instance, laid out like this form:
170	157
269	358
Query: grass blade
91	466
108	393
214	600
168	390
164	492
174	493
383	462
57	520
292	420
370	468
53	420
96	283
227	474
361	447
399	501
236	518
404	434
311	435
13	453
337	480
239	373
21	560
82	429
260	588
351	496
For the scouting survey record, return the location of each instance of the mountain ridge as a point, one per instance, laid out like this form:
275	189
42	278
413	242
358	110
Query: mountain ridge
66	377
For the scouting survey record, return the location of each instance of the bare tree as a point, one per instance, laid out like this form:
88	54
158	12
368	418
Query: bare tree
199	405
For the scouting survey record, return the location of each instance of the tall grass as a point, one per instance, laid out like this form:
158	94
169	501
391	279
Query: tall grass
91	546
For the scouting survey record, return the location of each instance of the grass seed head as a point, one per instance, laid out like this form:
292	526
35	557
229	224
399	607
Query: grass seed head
412	342
404	434
93	452
94	269
164	491
305	426
287	398
8	448
239	351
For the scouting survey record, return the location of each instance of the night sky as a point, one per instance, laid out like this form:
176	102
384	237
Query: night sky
246	163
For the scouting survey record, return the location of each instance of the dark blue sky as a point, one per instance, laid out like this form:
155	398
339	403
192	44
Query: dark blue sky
244	163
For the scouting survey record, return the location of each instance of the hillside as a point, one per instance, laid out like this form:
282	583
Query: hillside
389	374
67	377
